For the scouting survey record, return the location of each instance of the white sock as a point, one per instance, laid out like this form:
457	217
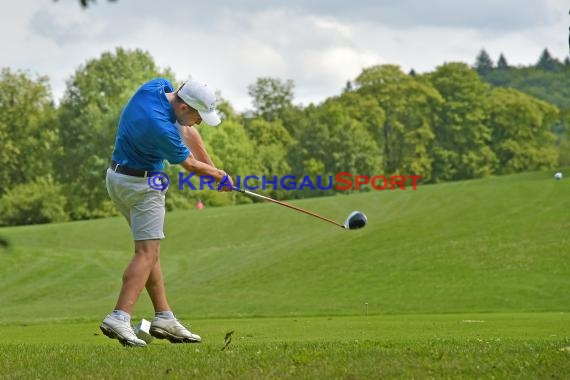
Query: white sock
122	315
164	314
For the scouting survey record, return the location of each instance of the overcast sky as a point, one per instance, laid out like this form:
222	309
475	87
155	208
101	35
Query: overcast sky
318	44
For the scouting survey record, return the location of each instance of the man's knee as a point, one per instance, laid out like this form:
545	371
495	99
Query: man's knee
148	250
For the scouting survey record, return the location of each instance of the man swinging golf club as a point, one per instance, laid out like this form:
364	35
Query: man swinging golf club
156	125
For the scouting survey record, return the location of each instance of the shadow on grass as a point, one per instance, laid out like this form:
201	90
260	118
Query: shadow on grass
4	243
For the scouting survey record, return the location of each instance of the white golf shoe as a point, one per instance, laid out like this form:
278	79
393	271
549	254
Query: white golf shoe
116	328
171	329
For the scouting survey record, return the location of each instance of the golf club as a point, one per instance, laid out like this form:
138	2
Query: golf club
354	221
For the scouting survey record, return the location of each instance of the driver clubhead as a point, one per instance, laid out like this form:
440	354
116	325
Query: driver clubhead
355	220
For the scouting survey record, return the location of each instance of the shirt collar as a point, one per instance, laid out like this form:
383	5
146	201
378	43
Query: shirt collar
165	89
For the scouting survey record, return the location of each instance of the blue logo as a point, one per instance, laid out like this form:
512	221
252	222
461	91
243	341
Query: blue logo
158	181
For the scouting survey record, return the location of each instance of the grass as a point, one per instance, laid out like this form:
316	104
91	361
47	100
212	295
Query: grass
492	250
524	345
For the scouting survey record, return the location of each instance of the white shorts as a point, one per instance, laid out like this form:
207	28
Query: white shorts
142	206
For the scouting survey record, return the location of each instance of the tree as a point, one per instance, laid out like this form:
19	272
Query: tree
521	133
483	62
89	115
271	97
410	105
272	143
550	86
548	63
564	153
502	62
333	141
367	110
462	135
230	148
38	201
28	130
502	75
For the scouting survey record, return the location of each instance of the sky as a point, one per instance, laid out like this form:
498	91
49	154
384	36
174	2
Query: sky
319	44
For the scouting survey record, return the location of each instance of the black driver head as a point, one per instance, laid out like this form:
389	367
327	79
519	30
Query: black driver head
355	220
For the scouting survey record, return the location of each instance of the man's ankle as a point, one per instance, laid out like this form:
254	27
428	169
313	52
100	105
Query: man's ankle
122	315
167	314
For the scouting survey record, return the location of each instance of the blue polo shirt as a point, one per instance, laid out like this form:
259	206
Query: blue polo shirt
147	134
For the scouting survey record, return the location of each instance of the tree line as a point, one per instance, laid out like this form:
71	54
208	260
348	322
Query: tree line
445	125
548	79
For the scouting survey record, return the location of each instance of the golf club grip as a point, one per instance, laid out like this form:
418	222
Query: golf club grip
288	205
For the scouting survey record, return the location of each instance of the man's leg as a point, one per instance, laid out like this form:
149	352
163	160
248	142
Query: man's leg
155	289
165	325
137	273
117	325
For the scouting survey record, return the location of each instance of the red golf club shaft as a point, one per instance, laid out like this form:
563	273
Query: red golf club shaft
289	206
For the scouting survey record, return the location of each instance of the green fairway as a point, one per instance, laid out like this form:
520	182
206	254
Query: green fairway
528	345
466	279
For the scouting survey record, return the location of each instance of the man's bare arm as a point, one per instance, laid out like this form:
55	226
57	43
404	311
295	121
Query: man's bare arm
194	142
202	169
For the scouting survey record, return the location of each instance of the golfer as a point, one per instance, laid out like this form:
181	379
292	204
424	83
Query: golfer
157	124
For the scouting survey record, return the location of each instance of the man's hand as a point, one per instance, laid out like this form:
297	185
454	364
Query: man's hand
226	184
223	181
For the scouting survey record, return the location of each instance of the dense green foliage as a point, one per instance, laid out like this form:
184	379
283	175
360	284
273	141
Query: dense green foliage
406	108
38	201
521	137
449	124
548	80
463	134
28	130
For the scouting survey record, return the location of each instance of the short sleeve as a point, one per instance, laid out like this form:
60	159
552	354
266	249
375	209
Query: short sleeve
170	146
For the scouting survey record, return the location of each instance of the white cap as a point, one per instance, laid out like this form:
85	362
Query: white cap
200	97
